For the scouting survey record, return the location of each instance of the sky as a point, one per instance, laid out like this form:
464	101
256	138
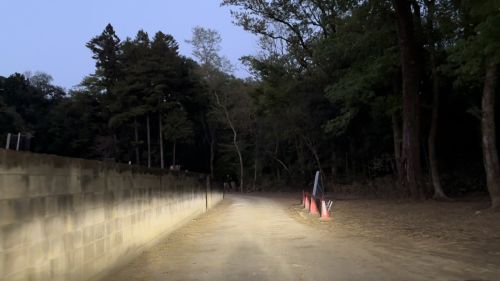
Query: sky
50	35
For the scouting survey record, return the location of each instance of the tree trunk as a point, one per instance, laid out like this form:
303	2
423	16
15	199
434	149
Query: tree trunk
334	166
275	155
431	141
173	153
136	133
300	156
397	131
240	157
149	141
490	153
353	161
347	171
311	147
116	150
256	156
235	139
212	156
211	133
433	162
255	169
160	130
397	135
410	59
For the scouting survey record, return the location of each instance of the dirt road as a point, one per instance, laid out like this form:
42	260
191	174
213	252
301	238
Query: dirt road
257	238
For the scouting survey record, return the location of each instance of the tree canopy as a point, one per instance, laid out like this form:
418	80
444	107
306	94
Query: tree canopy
402	90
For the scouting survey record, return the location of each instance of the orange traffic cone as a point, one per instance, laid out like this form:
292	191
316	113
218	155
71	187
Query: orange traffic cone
314	207
325	215
306	202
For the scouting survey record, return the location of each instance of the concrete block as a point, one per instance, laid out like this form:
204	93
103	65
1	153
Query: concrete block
107	246
13	186
58	267
15	261
18	276
109	212
54	226
99	248
56	248
100	264
117	241
11	236
68	240
2	261
90	200
65	203
77	274
75	259
78	217
51	205
88	252
12	210
99	231
78	202
118	224
38	206
79	257
34	231
88	235
70	222
98	215
39	185
93	184
74	184
38	253
85	180
83	219
59	184
41	273
77	239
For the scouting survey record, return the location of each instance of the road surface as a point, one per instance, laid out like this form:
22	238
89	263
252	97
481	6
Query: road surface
257	238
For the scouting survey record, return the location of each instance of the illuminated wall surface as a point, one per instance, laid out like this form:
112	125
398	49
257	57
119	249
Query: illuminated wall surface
71	219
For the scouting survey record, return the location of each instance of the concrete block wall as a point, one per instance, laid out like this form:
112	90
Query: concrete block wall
72	219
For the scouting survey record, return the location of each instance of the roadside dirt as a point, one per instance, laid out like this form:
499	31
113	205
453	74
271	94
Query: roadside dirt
270	237
466	232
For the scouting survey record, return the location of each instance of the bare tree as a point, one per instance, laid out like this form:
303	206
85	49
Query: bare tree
215	70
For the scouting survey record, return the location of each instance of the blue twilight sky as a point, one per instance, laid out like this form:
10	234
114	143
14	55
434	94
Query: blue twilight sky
50	35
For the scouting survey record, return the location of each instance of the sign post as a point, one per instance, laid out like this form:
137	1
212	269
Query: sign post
317	185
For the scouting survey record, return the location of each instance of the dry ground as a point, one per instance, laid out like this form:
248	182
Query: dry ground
464	231
270	237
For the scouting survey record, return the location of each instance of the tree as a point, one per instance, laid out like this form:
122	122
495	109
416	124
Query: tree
106	51
478	55
177	128
295	24
164	63
206	44
411	58
131	90
434	41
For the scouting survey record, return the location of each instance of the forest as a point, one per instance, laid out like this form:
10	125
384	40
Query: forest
387	98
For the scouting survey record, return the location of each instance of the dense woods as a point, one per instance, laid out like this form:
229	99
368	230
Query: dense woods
391	97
